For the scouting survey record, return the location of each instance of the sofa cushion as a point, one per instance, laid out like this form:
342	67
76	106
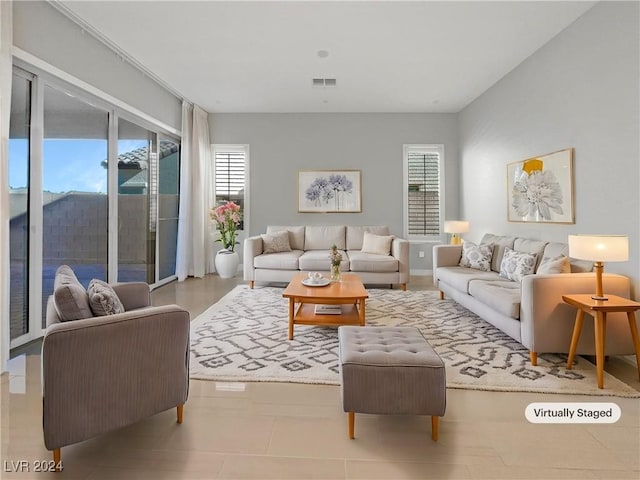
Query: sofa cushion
322	237
501	295
376	244
459	277
559	264
476	256
516	265
103	299
318	260
371	262
499	244
70	298
276	242
355	235
279	261
296	235
531	246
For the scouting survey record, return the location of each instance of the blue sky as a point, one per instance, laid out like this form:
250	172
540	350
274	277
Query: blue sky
69	164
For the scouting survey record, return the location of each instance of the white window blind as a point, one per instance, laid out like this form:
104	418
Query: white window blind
423	190
230	175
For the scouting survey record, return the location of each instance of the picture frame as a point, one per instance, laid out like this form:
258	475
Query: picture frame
329	191
540	189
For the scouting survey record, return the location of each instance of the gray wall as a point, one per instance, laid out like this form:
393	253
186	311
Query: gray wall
41	30
580	90
282	144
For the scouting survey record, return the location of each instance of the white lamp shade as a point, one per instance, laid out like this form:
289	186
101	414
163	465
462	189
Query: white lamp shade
599	248
456	226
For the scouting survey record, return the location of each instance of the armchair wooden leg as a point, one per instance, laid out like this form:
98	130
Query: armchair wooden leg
56	460
352	424
251	283
441	295
180	409
404	287
534	358
434	427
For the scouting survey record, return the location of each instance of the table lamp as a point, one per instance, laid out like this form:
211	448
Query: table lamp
599	249
455	227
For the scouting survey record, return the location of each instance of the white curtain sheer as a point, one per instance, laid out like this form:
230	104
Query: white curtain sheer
195	242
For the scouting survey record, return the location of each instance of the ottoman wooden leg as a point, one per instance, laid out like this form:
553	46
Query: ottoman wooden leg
352	424
434	428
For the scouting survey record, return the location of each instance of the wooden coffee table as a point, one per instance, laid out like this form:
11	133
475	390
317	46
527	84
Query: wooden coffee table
349	293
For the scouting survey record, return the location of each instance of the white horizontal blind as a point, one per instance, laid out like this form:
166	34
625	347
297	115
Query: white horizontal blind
423	191
230	176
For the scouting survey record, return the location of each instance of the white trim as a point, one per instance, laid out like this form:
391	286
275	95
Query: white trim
112	198
47	67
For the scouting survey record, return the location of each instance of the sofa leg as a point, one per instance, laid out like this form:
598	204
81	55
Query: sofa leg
534	358
352	424
434	427
56	460
404	287
441	295
251	282
180	409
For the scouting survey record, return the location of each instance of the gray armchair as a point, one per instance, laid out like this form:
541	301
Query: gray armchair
103	373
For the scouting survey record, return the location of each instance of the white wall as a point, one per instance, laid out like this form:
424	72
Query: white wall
41	30
283	144
580	90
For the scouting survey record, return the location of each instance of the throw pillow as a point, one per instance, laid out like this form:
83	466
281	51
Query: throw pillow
103	299
276	242
476	256
516	265
559	264
376	244
70	297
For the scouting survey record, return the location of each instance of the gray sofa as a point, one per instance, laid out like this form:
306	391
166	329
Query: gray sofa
310	252
531	311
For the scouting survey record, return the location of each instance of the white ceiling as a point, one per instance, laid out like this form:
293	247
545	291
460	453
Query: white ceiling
387	56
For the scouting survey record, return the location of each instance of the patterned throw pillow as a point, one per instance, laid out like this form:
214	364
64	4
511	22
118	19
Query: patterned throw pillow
476	256
516	265
276	242
103	299
559	264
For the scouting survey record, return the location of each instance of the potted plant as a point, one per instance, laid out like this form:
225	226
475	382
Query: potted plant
227	218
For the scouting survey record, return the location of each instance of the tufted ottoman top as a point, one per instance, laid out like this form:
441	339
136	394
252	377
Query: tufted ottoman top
386	346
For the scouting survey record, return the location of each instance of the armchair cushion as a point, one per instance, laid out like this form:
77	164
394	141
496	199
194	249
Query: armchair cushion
103	299
70	298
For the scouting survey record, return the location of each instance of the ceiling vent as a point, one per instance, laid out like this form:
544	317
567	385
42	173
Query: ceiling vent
324	82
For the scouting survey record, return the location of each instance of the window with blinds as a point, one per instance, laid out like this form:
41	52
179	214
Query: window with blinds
230	176
423	190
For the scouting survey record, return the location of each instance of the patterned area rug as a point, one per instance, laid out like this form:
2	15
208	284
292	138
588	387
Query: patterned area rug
243	337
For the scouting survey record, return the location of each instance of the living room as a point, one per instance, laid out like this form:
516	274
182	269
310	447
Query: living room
577	89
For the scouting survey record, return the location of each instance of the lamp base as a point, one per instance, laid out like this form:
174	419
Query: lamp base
599	298
455	239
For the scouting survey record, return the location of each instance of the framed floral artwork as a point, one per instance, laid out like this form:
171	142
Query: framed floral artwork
329	191
540	189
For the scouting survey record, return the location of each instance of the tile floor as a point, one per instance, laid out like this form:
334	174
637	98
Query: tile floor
293	431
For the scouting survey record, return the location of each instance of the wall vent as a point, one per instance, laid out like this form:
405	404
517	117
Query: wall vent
324	82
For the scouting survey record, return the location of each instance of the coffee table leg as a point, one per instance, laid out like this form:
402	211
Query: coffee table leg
577	330
292	307
634	335
361	312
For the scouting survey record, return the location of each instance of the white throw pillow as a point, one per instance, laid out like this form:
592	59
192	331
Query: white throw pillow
559	264
477	256
377	244
276	242
516	265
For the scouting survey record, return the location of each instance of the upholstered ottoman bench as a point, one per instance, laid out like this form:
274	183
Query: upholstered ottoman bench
390	370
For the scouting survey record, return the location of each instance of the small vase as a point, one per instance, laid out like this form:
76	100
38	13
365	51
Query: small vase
227	263
335	273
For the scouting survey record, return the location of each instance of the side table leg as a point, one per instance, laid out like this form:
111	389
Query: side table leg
634	335
292	307
600	333
577	330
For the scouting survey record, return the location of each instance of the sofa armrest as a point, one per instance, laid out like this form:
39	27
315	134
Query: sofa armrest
445	256
102	373
252	248
400	251
547	322
133	294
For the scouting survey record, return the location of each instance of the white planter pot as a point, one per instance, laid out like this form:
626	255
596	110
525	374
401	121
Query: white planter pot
227	263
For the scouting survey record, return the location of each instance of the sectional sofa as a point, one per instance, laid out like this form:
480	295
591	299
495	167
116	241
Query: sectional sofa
529	309
274	257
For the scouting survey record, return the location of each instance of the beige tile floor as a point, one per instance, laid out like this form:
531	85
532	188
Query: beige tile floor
292	431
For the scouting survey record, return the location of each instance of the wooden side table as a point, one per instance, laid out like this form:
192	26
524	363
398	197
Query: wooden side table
598	309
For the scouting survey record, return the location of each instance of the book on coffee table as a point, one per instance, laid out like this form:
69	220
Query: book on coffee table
328	310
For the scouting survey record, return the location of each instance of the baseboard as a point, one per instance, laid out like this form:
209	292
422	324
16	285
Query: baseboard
418	272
